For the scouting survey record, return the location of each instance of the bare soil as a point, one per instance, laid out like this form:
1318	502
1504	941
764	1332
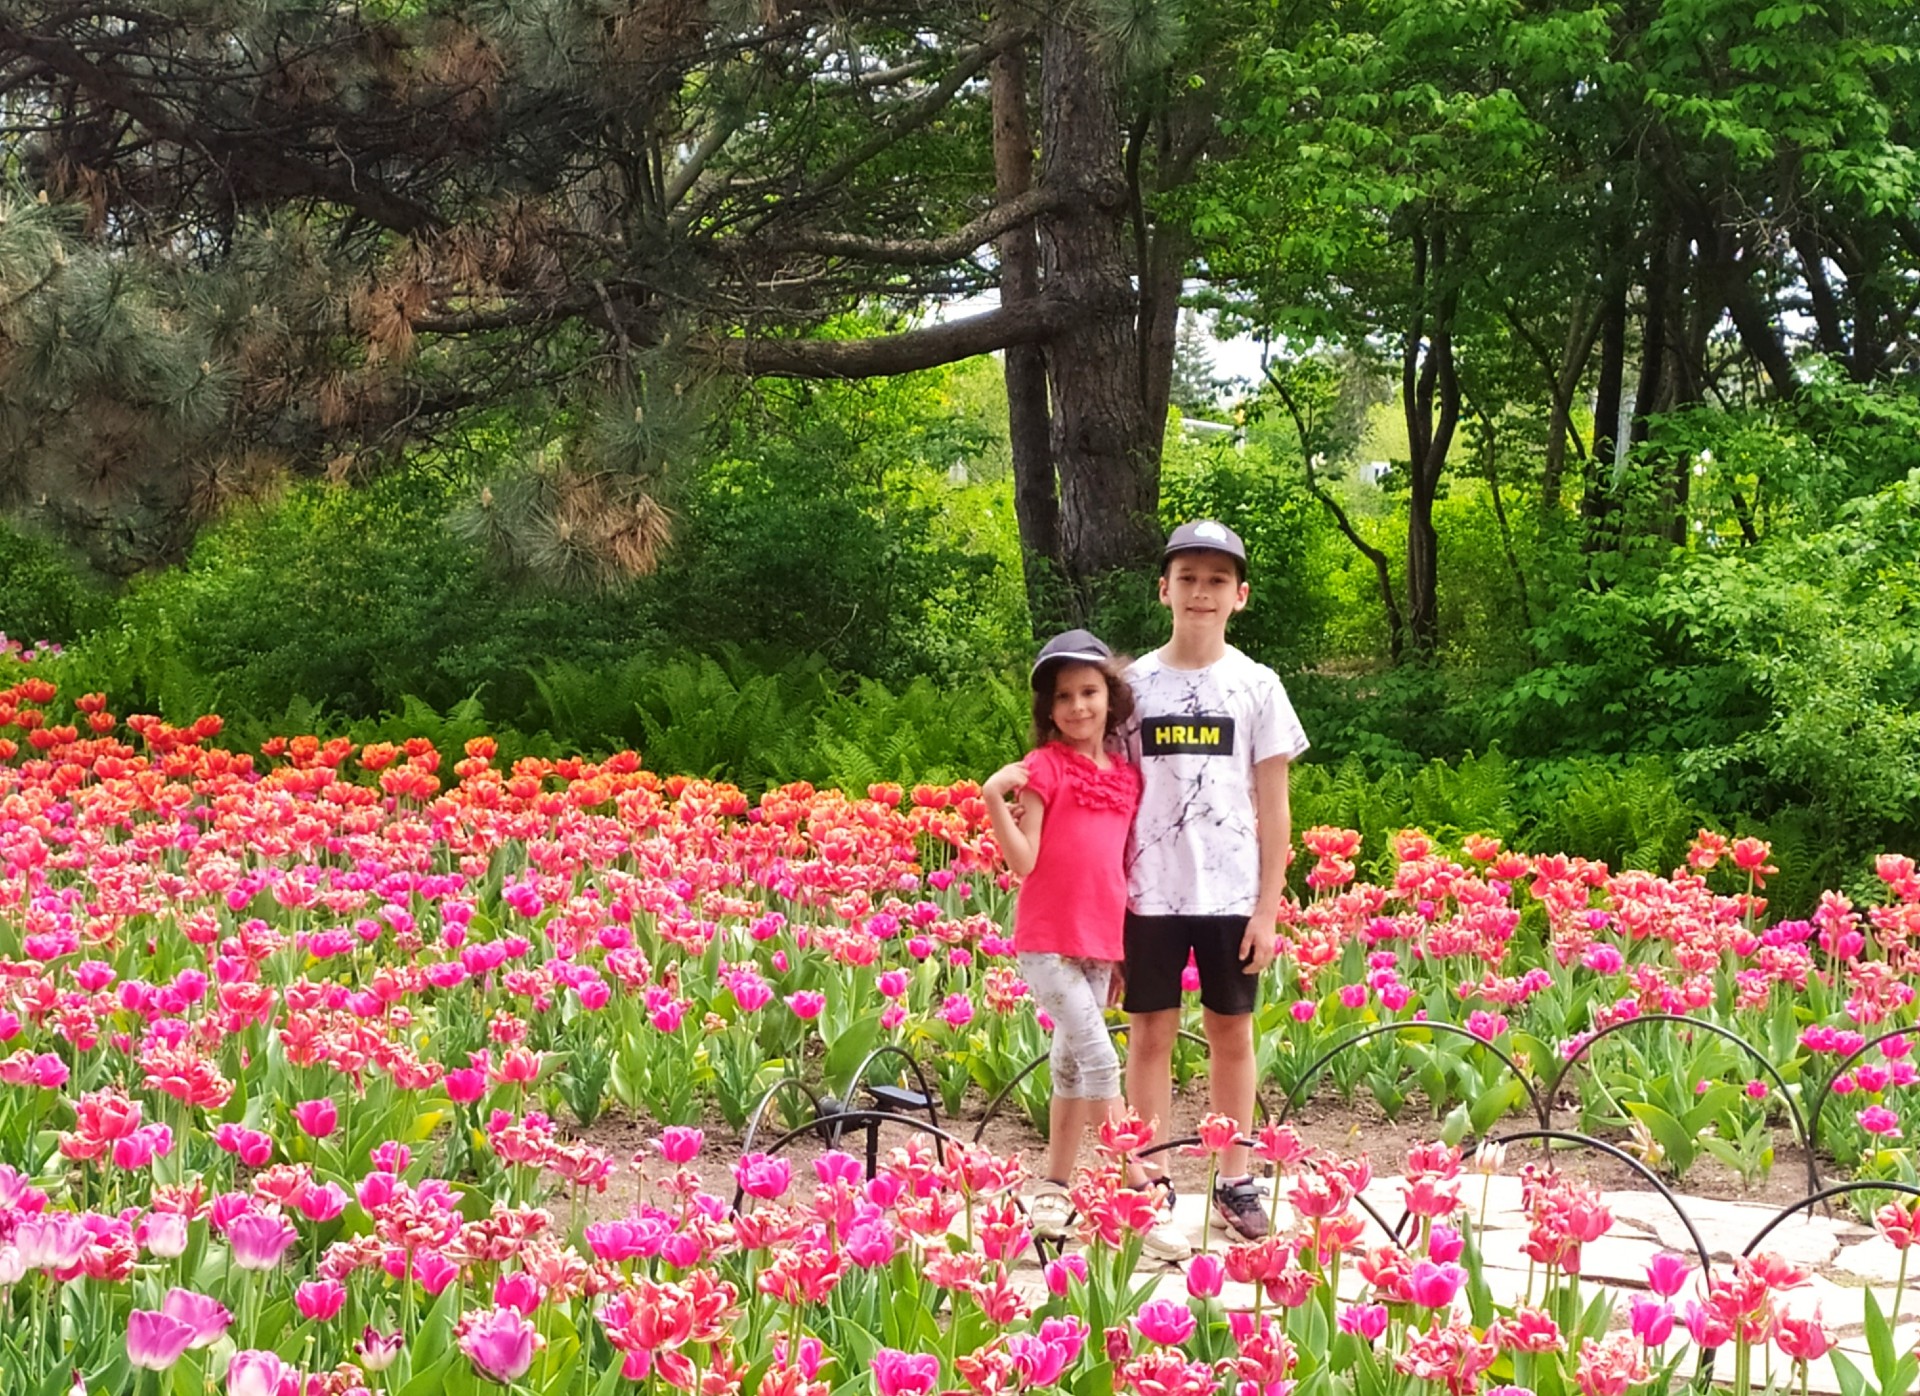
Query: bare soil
1345	1128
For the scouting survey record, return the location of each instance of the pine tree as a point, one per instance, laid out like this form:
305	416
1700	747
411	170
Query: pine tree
281	238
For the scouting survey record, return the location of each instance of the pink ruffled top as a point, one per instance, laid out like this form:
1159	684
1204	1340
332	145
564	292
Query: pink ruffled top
1074	902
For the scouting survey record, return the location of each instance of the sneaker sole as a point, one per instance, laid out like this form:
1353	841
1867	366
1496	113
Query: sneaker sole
1220	1223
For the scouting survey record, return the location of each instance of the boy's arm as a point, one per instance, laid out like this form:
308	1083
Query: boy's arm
1271	809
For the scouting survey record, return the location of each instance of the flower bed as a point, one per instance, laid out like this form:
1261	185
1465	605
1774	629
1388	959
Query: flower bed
287	1038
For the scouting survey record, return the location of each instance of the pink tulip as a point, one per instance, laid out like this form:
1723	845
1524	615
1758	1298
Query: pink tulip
317	1117
1652	1321
1164	1321
762	1175
465	1085
1206	1275
499	1343
905	1373
1444	1244
252	1372
1667	1274
1368	1321
323	1203
207	1316
258	1240
807	1004
1063	1273
518	1291
1433	1285
320	1300
155	1340
681	1143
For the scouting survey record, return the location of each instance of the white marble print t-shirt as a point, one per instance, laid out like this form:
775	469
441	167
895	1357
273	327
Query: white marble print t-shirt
1196	735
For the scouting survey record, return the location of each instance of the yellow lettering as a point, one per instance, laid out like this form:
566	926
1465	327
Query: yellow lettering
1210	735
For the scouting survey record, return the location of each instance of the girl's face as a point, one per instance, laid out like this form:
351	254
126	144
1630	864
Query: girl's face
1080	704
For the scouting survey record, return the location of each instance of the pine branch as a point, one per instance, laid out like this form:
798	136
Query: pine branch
989	226
1027	322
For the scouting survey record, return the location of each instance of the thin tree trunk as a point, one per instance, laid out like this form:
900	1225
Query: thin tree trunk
1382	570
1427	369
1597	503
1036	498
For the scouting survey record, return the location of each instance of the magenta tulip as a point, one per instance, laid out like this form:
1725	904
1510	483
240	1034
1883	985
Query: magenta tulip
208	1317
259	1240
317	1117
156	1340
499	1343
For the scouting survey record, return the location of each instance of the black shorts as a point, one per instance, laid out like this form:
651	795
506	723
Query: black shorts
1157	949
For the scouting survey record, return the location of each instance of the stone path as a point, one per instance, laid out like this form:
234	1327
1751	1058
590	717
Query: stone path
1846	1258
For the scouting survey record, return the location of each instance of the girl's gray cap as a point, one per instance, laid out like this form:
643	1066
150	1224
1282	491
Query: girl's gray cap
1075	646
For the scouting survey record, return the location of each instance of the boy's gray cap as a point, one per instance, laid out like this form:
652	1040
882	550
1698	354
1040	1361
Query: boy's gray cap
1206	535
1076	646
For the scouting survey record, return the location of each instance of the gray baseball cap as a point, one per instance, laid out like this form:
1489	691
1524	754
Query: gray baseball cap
1206	535
1070	646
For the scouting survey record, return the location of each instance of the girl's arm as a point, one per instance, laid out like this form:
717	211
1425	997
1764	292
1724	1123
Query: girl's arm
1017	834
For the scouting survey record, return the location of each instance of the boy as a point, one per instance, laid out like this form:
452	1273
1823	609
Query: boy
1213	733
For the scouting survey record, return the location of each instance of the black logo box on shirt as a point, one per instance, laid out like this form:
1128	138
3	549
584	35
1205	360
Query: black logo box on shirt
1187	735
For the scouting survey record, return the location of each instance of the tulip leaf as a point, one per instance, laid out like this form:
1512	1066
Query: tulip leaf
1852	1381
1879	1343
1667	1132
430	1377
1097	1380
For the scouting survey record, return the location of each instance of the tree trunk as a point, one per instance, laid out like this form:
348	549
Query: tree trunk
1036	497
1597	503
1106	451
1427	371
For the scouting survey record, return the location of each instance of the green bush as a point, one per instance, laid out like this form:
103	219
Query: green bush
42	595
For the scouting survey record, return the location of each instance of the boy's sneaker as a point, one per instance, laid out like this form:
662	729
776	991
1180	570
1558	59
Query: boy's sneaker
1165	1240
1050	1211
1236	1207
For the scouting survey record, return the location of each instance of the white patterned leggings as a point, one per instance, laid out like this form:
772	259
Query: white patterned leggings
1074	994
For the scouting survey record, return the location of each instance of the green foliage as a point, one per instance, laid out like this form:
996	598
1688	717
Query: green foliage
1629	817
833	525
721	716
42	595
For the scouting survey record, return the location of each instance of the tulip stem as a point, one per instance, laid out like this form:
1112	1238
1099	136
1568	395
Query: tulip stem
1899	1290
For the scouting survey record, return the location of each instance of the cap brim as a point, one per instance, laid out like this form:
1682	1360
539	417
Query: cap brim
1067	657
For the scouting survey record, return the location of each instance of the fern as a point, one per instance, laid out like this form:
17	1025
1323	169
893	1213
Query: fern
1474	796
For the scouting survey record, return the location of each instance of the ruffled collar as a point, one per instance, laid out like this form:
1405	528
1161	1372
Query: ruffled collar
1114	787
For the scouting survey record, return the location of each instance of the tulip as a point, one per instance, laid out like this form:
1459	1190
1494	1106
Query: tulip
518	1291
807	1004
320	1300
317	1117
1165	1322
259	1239
164	1234
323	1203
1065	1272
155	1340
1434	1285
1667	1274
252	1372
1652	1322
1365	1321
898	1373
499	1343
763	1175
681	1143
207	1316
376	1350
1206	1275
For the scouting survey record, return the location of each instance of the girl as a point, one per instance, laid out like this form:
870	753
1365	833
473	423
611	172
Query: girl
1071	911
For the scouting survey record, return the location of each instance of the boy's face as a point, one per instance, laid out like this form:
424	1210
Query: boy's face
1202	589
